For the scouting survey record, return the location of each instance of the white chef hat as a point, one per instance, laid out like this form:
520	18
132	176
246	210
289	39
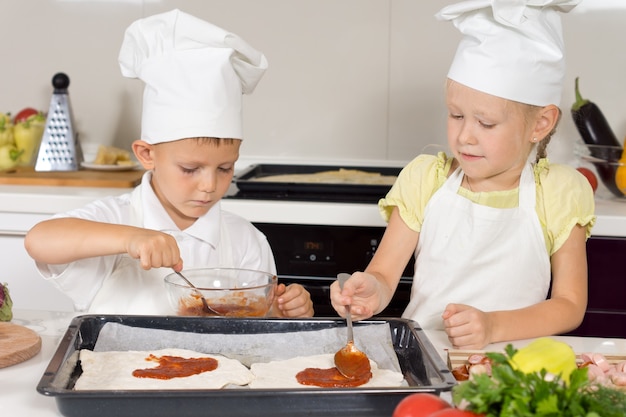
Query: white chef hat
510	48
195	74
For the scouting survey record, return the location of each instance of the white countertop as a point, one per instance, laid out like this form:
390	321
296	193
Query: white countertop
20	397
30	204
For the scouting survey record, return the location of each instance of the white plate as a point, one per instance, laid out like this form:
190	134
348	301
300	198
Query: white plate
100	167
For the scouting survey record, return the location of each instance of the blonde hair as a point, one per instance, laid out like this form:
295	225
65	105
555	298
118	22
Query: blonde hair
215	141
542	147
205	140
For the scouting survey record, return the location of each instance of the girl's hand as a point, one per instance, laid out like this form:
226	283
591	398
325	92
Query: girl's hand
292	301
466	326
360	292
154	249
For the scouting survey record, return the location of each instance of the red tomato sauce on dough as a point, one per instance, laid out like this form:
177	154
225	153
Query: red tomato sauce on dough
330	378
175	367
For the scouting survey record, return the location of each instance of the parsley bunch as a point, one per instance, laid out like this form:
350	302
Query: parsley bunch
512	393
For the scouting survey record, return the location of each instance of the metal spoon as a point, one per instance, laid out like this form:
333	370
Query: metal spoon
205	305
349	360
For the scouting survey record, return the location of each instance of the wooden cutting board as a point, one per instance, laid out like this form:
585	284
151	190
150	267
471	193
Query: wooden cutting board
80	178
17	344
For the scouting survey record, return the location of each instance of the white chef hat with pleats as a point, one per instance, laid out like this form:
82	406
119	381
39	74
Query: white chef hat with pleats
195	75
510	48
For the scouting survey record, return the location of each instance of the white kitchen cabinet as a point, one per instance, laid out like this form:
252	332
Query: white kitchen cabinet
28	289
21	207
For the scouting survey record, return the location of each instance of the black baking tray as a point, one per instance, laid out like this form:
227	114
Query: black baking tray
422	366
251	180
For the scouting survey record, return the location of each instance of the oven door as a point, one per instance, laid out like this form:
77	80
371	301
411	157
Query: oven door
319	288
313	255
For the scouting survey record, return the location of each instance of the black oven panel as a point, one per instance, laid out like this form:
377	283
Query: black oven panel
322	251
313	255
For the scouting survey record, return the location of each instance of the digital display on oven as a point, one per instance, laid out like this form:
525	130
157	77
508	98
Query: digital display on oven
313	249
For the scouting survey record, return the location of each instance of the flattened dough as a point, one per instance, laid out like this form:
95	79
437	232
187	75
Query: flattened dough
340	176
113	371
282	374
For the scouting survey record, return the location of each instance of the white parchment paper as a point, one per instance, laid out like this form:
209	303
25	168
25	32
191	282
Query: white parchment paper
375	340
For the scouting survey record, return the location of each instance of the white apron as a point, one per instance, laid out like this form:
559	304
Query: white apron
132	290
488	258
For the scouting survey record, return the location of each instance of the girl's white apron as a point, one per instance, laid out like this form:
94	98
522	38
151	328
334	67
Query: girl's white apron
488	258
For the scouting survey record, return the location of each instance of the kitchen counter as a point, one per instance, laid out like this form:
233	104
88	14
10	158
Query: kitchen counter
19	382
31	204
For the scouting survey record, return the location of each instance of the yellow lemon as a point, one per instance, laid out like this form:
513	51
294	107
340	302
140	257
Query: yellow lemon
554	356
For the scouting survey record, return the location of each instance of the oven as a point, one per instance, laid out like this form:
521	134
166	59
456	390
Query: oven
313	255
317	230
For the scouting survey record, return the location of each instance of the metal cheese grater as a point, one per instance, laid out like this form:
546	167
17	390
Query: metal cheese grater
60	149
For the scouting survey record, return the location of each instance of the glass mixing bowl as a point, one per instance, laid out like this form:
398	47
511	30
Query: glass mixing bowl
230	292
606	161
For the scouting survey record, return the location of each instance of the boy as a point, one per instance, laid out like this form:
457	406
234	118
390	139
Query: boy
112	255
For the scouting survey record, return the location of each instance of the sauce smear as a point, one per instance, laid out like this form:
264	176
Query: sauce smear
331	378
175	367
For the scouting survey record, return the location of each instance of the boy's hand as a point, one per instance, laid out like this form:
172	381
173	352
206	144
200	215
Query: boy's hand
154	249
292	301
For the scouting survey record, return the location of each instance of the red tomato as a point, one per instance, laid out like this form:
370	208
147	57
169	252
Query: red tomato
421	404
24	114
454	412
591	177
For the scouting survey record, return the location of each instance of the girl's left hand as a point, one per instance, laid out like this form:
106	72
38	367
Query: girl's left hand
466	326
292	301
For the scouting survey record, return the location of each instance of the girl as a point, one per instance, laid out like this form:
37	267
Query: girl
499	242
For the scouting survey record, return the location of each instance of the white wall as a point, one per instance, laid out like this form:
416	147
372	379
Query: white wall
348	79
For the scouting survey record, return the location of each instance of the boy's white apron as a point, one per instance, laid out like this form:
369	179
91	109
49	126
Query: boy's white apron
488	258
135	291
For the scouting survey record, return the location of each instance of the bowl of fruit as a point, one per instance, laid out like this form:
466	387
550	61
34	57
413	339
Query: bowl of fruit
20	137
609	163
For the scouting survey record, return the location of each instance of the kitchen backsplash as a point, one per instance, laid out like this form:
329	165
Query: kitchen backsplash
347	79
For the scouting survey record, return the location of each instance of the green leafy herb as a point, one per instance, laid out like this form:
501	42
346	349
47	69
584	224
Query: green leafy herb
6	304
512	393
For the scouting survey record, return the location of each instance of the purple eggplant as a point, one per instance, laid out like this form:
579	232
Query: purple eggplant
591	123
598	135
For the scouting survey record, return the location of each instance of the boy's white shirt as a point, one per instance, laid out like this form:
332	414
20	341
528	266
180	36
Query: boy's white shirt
485	257
117	284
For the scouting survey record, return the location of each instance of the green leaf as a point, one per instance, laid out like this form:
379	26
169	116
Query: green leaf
511	393
6	306
548	406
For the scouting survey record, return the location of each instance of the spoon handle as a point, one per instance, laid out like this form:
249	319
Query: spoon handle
343	277
206	305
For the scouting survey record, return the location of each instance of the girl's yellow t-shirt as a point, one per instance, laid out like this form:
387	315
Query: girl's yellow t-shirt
564	196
